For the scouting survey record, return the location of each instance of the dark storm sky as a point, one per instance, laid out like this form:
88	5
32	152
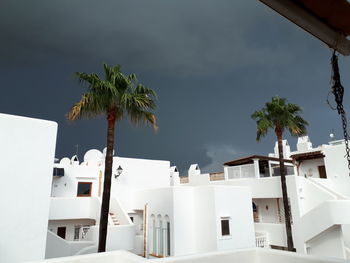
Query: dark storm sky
212	63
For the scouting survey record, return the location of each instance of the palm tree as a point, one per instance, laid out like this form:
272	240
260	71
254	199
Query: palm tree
280	116
115	96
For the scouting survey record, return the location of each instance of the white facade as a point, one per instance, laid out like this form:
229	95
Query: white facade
177	217
192	217
152	214
27	154
187	219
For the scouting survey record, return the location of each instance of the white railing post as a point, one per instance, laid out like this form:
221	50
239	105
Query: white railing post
256	168
261	241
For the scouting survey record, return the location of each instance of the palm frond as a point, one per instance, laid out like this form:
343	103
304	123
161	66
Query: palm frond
118	91
279	115
88	107
139	116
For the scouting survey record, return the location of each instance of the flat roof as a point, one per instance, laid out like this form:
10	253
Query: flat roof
249	159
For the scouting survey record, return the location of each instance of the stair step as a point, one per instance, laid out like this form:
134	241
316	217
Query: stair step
114	218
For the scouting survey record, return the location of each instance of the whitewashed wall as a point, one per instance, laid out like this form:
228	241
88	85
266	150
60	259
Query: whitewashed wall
67	185
268	187
138	174
335	161
160	204
27	148
183	230
336	168
310	168
205	219
235	203
329	243
195	217
74	208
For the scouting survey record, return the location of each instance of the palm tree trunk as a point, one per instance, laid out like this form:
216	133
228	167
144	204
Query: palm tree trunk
284	192
107	183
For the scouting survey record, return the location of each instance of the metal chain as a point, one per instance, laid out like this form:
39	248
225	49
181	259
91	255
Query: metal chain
338	92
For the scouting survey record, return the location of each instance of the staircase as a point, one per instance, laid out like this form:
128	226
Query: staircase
325	211
114	219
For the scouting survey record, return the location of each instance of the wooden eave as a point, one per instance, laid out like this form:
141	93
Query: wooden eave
250	159
307	156
327	20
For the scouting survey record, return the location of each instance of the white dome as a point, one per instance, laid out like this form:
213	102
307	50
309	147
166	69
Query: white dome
93	155
105	152
65	161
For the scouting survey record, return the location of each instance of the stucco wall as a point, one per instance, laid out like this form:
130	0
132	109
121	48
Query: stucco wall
234	203
195	217
268	187
205	219
183	231
328	243
138	174
67	185
310	168
335	161
27	155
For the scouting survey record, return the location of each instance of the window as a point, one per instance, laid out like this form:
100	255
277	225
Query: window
61	231
154	235
168	238
59	172
84	189
77	232
84	231
225	226
161	237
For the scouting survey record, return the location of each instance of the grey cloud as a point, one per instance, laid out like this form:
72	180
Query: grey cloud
212	63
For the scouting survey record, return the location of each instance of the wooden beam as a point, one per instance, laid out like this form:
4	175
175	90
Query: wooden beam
310	23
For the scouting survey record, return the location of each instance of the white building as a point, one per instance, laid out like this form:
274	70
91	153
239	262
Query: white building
154	215
27	148
318	189
146	201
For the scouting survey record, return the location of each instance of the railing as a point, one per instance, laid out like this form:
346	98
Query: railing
261	240
119	212
242	171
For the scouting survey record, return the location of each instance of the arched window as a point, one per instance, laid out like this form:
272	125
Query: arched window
167	236
153	237
160	250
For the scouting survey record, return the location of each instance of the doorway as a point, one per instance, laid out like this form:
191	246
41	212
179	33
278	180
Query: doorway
322	171
61	232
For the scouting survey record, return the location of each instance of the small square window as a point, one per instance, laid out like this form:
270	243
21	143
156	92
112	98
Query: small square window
84	189
225	226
